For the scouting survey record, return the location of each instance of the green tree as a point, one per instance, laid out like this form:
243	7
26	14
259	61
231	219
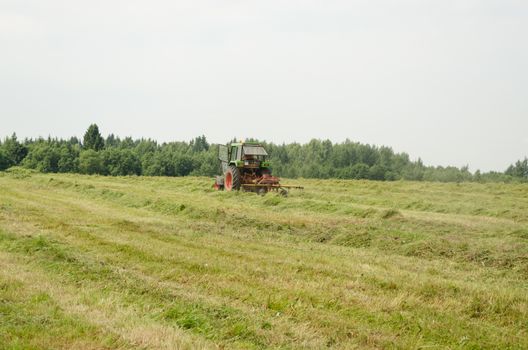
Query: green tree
199	144
112	141
93	139
121	162
519	169
69	158
413	171
15	151
157	164
91	162
205	163
4	160
183	165
376	172
477	176
360	171
43	156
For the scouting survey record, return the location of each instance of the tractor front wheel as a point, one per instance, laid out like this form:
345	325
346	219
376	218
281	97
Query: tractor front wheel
232	179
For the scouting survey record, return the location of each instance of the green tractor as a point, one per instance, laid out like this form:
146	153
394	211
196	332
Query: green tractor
245	166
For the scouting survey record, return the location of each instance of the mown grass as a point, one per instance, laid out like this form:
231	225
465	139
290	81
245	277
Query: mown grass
138	262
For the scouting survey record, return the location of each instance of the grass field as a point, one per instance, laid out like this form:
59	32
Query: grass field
163	263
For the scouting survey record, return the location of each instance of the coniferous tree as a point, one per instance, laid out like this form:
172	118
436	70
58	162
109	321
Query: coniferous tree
15	151
4	160
93	139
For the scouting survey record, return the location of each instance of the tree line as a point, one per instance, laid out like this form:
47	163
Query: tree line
315	159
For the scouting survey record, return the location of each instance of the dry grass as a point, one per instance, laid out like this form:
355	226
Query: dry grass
100	262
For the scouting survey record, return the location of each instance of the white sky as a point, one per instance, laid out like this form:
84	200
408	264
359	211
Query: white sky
442	80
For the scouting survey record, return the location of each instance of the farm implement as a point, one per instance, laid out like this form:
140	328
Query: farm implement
245	166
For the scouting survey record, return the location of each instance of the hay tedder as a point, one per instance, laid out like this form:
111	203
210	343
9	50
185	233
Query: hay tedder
245	166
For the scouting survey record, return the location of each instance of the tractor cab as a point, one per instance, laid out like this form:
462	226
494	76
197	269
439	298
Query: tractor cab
243	155
254	156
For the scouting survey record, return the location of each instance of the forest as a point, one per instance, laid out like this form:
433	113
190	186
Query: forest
323	159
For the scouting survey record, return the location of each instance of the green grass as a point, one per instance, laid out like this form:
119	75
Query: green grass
149	263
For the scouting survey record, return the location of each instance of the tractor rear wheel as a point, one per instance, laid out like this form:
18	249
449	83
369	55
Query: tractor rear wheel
232	179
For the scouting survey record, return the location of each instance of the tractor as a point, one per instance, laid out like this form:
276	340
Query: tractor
244	165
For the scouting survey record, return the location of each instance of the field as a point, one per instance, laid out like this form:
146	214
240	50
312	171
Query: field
163	263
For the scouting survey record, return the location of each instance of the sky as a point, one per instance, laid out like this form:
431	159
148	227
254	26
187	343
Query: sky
446	80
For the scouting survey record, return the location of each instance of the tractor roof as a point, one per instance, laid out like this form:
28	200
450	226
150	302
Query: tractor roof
255	150
242	143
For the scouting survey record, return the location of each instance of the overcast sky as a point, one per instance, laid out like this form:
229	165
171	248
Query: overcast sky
443	80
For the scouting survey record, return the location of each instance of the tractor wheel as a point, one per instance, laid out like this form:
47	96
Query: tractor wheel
232	179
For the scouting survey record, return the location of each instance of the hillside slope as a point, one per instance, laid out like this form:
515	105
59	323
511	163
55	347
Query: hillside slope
139	262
